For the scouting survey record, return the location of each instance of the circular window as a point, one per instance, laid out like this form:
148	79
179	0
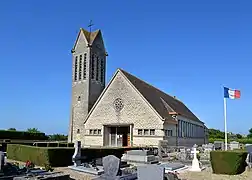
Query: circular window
118	104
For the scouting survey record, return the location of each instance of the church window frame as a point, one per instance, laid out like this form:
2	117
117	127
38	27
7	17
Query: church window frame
152	132
140	132
75	68
95	131
91	131
99	131
85	66
168	133
146	132
97	68
102	70
80	67
118	104
92	66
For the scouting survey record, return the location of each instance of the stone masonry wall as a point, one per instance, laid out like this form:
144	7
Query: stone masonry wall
135	111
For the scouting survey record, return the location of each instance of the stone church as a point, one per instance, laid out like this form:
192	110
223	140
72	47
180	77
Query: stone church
127	111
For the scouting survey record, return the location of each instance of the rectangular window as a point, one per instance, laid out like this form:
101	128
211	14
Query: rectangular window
92	66
90	131
190	130
75	68
97	68
99	131
152	132
85	66
146	132
169	132
80	67
95	131
140	132
187	129
179	128
102	70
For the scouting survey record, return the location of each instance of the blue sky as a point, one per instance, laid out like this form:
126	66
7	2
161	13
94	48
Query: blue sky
186	48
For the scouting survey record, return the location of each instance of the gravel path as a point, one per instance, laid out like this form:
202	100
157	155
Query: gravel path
208	175
186	175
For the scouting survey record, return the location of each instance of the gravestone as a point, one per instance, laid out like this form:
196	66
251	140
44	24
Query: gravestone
162	148
248	147
138	157
77	154
234	145
111	165
208	147
182	154
112	171
219	145
2	159
173	166
195	161
150	172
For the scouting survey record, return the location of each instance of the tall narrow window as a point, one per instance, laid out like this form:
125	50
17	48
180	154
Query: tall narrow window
85	66
102	70
80	67
75	68
97	68
92	66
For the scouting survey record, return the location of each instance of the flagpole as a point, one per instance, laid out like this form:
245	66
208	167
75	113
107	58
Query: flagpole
225	122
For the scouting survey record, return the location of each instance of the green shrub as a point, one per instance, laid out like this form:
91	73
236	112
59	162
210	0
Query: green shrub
228	162
57	156
9	134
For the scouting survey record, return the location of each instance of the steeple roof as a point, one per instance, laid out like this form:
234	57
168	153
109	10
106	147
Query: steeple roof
90	36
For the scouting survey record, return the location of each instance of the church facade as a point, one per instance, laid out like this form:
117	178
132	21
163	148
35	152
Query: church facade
128	111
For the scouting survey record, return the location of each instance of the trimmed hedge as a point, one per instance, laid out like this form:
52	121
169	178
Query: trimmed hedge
57	156
40	155
8	134
228	162
53	144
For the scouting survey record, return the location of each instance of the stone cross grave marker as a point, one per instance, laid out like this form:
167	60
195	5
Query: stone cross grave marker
194	152
195	161
77	154
111	166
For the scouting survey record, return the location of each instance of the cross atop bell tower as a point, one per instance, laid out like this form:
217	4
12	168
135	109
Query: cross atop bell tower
88	77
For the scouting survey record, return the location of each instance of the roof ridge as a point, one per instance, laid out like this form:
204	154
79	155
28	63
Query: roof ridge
150	85
152	93
90	36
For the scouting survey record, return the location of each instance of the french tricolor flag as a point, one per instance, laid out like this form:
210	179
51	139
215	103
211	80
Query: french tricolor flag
231	93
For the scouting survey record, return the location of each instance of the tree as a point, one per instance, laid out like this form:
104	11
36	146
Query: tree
57	137
250	133
33	130
12	129
239	136
216	134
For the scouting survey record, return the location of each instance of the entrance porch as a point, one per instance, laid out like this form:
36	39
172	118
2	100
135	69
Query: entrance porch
118	135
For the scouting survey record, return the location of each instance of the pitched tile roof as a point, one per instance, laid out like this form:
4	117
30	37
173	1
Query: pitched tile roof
90	36
160	101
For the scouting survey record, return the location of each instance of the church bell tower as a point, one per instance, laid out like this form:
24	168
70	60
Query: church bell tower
88	78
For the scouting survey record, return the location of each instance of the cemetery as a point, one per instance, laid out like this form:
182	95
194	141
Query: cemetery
142	163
